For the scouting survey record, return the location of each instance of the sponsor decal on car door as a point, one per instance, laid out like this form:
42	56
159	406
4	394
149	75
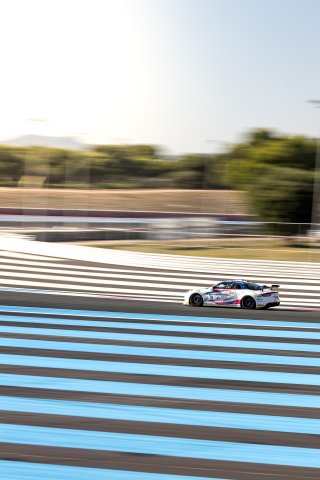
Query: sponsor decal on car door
222	297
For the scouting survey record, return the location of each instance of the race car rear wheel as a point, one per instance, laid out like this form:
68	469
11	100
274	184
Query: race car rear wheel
196	300
248	302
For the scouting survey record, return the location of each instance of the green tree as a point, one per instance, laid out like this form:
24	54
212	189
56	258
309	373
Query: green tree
278	174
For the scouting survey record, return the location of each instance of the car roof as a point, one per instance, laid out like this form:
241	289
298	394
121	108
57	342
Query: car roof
236	281
242	281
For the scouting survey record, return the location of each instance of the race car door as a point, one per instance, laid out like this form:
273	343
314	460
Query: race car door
223	293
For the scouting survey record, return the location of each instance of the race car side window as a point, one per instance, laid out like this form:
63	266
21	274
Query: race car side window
225	285
254	286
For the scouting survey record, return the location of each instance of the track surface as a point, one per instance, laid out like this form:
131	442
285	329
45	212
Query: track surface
224	396
159	278
122	305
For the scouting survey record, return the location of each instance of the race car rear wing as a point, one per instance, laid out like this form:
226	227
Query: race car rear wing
275	287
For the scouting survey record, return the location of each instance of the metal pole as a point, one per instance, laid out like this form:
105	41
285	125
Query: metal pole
315	215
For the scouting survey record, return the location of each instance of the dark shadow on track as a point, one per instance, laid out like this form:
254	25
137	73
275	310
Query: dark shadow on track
134	306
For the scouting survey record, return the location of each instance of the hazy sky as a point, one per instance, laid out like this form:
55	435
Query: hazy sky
176	73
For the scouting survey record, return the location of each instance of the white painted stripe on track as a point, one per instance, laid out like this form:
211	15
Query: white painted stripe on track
16	255
204	261
153	272
210	259
111	256
67	286
246	269
304	294
299	299
142	275
135	291
112	281
132	294
93	281
296	301
86	294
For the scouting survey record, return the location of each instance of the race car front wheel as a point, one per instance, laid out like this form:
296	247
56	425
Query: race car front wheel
196	300
248	303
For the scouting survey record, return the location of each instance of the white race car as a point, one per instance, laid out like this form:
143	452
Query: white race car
234	293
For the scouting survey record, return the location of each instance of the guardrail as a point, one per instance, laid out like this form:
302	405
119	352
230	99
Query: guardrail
63	228
50	212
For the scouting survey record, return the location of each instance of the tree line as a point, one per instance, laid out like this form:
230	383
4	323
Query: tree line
277	171
108	166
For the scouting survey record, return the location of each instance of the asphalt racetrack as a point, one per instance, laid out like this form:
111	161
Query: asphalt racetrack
95	388
121	305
